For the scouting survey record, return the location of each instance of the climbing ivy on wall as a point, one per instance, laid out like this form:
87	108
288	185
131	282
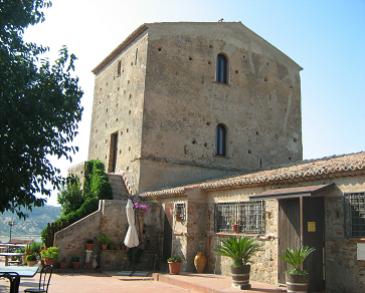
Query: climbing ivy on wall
96	186
96	181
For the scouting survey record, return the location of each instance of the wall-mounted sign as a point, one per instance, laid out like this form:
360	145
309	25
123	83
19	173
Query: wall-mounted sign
311	226
360	251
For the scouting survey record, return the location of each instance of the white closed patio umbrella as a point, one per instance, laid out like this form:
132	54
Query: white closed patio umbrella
131	238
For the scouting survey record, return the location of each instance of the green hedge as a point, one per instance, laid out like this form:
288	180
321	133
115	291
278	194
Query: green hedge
96	186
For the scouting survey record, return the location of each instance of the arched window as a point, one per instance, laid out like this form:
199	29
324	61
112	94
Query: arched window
221	134
222	69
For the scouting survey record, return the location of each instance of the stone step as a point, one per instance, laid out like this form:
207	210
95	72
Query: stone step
118	187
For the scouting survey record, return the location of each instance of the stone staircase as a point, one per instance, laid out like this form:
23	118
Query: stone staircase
119	189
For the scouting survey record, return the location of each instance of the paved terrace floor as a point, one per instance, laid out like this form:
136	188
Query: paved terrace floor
109	282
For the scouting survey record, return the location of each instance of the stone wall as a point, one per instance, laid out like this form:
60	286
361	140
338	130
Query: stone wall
260	105
118	108
264	265
344	273
165	105
109	219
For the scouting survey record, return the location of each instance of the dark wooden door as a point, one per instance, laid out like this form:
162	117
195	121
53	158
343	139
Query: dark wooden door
289	230
113	152
167	237
313	236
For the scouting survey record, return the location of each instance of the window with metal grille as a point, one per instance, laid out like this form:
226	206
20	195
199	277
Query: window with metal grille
242	217
355	214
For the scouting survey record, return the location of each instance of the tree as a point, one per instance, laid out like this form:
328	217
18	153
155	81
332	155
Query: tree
39	109
70	198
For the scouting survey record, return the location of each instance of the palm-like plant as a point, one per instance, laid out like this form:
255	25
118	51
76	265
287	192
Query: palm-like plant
295	259
240	250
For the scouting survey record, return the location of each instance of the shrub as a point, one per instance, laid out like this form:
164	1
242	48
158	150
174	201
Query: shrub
104	239
31	257
51	252
174	258
96	181
33	248
295	259
240	250
70	198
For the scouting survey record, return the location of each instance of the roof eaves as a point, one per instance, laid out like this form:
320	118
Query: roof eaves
142	28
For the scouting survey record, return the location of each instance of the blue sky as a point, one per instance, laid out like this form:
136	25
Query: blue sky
327	38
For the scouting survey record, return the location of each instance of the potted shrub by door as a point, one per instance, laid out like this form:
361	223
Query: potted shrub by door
50	255
240	250
104	241
174	265
296	277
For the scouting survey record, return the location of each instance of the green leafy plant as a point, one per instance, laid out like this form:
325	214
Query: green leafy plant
96	186
31	257
240	250
51	252
174	258
33	248
295	259
104	239
75	259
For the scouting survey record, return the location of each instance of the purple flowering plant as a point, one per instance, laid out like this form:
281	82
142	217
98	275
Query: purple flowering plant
144	207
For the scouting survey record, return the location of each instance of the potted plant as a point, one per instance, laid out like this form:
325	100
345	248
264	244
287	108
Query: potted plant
64	263
31	260
76	264
296	276
89	244
174	265
104	241
240	250
50	255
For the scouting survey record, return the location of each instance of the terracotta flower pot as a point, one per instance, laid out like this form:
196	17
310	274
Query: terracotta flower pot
200	262
174	268
236	228
63	265
31	263
49	261
89	246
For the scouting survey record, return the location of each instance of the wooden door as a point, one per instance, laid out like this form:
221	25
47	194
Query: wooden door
289	231
313	236
167	236
113	151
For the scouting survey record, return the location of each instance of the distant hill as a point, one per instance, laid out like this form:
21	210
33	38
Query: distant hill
32	226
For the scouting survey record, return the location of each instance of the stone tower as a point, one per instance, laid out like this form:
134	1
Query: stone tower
177	103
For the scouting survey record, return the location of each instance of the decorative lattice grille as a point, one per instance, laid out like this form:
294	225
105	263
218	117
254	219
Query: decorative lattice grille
248	216
355	214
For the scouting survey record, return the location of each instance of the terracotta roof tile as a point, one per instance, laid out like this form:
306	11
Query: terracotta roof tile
328	167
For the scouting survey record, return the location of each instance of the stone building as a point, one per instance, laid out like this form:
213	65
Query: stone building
203	120
320	203
164	95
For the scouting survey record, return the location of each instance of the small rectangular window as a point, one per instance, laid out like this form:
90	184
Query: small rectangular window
119	69
242	217
355	214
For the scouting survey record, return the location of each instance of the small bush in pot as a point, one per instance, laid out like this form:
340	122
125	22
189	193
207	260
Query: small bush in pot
89	244
31	259
104	241
240	250
296	276
50	255
174	265
76	264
